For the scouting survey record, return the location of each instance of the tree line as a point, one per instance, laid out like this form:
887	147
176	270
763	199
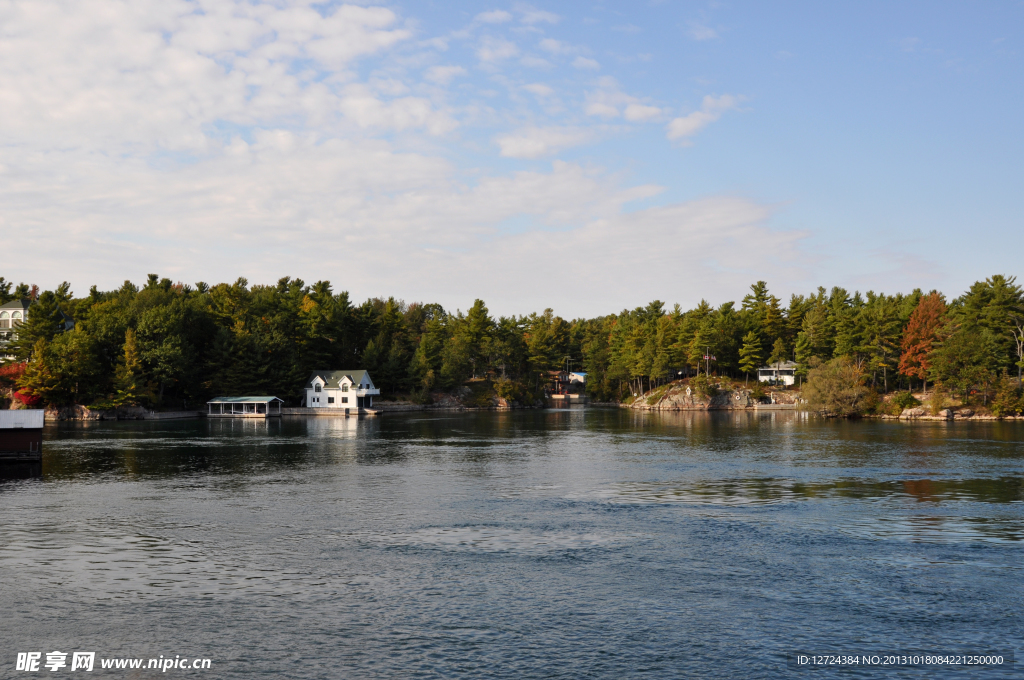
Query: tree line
169	344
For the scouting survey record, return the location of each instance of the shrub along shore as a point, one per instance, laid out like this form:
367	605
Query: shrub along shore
168	346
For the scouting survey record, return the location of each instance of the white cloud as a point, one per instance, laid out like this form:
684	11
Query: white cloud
608	100
243	141
531	15
601	109
444	74
440	44
367	111
556	46
711	110
288	204
676	241
639	113
159	74
534	62
702	32
540	142
496	49
585	63
539	89
495	16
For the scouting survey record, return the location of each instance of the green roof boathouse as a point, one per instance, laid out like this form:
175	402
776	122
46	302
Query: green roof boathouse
244	407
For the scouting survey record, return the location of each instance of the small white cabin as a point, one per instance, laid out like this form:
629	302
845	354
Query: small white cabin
779	373
340	389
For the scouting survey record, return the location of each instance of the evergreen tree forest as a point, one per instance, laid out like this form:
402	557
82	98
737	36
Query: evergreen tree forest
173	345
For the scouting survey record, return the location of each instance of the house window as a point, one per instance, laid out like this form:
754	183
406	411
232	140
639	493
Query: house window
316	388
344	388
330	400
344	400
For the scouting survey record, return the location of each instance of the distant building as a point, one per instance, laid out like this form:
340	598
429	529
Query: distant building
244	407
577	378
15	313
779	373
340	389
12	315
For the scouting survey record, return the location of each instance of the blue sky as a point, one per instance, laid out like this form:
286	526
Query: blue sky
583	156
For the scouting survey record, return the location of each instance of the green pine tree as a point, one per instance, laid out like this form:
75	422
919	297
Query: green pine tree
128	378
779	352
804	351
751	357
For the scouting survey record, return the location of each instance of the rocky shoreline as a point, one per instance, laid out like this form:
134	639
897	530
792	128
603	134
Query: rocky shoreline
945	414
682	397
673	397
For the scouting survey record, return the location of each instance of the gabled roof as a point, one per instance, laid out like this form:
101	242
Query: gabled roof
243	400
21	304
333	378
779	365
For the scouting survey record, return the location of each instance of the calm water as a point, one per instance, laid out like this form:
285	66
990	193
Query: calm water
596	543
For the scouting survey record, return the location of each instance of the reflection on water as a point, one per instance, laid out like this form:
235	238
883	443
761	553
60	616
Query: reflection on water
938	528
768	491
550	543
497	539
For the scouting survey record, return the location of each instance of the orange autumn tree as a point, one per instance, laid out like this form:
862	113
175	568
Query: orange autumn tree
919	335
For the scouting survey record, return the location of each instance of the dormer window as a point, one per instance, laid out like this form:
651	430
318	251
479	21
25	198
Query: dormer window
344	388
316	388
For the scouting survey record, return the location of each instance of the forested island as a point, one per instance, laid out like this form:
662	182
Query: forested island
174	345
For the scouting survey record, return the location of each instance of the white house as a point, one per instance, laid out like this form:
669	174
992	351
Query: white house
783	372
340	389
12	315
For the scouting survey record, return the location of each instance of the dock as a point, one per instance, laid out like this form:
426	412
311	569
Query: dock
244	407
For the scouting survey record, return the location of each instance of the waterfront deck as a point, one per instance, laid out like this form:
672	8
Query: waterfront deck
329	412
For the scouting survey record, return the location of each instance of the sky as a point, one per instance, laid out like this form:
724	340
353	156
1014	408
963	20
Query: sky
588	157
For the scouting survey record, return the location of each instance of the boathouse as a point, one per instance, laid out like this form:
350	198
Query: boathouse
244	407
21	443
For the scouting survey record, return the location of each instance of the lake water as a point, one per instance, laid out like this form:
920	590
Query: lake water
535	544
